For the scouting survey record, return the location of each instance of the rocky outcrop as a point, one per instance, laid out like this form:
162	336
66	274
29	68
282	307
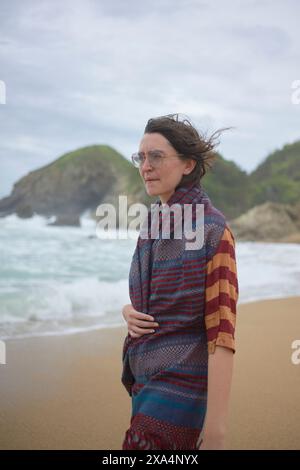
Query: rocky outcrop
269	222
69	219
76	182
81	180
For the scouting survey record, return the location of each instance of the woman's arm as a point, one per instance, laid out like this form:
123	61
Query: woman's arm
220	368
221	296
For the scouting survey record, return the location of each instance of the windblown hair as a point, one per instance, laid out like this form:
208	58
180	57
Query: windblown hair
188	142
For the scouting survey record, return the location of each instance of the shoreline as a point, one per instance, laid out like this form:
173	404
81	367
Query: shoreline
65	391
89	329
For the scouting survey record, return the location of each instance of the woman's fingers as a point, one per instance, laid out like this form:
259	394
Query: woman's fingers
140	331
139	323
134	334
139	328
143	324
142	320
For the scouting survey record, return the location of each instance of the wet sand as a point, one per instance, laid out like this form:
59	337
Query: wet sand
65	392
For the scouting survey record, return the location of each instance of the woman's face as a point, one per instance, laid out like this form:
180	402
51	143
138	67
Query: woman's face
162	180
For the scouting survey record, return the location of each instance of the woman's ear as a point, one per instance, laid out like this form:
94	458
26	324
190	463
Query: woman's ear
190	165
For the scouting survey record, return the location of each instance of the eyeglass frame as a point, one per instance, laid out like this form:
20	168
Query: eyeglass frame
163	157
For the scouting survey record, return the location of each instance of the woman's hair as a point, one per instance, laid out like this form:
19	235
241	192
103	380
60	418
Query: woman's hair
188	142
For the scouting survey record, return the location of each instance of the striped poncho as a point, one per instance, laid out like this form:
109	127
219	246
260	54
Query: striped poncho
192	295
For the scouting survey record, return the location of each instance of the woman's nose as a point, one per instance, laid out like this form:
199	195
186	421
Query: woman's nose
146	165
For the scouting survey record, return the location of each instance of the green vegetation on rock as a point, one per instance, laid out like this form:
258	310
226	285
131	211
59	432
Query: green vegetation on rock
82	179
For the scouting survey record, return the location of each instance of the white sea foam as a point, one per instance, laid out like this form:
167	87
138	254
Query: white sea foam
59	280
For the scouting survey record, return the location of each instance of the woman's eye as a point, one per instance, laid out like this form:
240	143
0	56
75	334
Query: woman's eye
156	155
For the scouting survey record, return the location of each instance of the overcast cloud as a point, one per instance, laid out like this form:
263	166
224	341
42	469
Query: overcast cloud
93	72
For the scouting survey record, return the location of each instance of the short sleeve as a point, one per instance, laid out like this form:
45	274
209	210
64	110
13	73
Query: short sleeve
221	294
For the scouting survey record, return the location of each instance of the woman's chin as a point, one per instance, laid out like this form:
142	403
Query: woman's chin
151	190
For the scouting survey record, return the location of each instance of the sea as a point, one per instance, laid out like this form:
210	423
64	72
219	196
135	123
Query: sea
63	280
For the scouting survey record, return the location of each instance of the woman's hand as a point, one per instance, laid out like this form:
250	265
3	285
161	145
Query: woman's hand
138	323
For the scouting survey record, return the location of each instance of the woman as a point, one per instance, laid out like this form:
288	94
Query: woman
178	354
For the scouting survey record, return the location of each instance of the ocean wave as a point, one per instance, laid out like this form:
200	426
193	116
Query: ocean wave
61	280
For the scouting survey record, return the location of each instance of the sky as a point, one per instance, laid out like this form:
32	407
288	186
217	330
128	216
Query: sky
78	73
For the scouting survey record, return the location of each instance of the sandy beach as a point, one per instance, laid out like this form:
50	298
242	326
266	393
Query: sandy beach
65	392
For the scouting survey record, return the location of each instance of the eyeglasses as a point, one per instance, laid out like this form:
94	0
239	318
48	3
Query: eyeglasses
155	158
